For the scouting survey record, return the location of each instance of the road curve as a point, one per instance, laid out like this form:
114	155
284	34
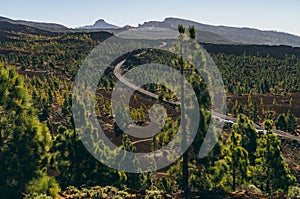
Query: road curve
117	73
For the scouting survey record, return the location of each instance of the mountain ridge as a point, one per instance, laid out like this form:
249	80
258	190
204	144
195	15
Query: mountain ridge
39	25
206	33
244	35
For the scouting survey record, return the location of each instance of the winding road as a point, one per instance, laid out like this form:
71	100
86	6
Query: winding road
117	73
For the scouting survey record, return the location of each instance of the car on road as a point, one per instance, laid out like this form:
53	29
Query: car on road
228	124
260	131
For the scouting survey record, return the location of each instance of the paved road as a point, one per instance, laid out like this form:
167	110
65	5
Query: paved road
163	44
143	140
117	73
259	127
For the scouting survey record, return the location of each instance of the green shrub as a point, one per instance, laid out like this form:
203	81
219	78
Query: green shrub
42	185
43	196
166	185
110	190
251	189
72	190
294	192
123	194
153	194
96	192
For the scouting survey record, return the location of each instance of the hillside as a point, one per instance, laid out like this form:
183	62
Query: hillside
236	35
260	50
38	25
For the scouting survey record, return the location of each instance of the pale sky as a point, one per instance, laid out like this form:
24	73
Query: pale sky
262	14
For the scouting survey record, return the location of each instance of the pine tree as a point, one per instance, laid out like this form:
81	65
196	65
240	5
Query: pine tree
281	123
185	171
235	108
271	171
254	113
24	141
75	163
292	123
246	129
237	160
133	179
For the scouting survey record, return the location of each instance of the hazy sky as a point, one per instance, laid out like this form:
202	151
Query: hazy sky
263	14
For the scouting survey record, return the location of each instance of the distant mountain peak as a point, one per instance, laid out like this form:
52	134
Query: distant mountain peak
100	20
100	24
